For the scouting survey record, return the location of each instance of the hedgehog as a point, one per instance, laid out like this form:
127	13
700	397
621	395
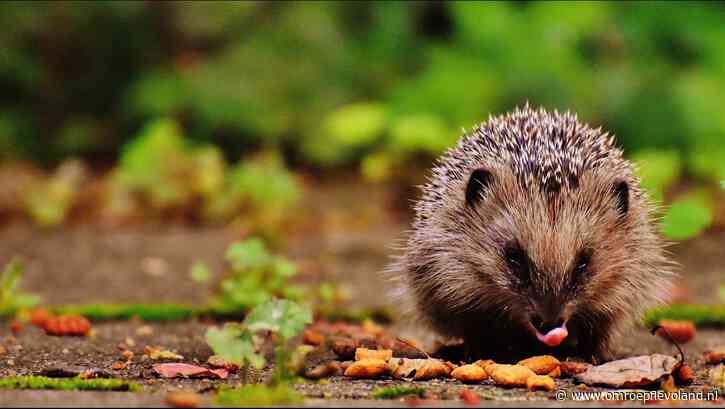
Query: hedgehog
533	235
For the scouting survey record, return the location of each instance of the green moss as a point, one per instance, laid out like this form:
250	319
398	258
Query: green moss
257	395
67	384
146	312
701	315
394	392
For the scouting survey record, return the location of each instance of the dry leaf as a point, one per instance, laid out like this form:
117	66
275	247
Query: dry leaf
715	356
469	373
418	369
509	375
540	383
364	353
188	371
541	365
630	373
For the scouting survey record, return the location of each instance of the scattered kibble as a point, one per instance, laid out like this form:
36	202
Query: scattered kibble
540	382
541	365
509	375
469	373
367	368
364	353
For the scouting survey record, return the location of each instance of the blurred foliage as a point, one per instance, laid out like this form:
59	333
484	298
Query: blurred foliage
255	277
11	297
176	89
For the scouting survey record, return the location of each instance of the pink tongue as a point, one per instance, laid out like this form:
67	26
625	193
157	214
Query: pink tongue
553	337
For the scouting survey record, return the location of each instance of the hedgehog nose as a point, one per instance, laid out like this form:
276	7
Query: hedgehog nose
545	325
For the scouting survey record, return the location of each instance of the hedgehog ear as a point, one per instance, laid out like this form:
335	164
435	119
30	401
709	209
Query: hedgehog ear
479	180
621	191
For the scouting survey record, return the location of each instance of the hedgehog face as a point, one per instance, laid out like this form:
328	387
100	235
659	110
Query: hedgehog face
559	257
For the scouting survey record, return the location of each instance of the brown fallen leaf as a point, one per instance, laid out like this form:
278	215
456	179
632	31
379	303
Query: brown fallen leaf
571	368
367	368
715	356
73	325
469	397
630	373
540	383
364	353
541	365
418	369
509	375
174	370
39	316
469	373
127	355
679	330
183	399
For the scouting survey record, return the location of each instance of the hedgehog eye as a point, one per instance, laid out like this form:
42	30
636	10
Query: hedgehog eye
518	262
581	266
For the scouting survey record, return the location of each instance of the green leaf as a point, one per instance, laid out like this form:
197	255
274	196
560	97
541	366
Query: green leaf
234	344
721	293
248	254
284	317
199	272
686	218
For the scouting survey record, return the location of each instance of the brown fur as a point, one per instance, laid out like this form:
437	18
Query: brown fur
553	193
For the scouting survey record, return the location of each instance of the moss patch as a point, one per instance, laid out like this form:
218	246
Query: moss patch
67	384
700	315
146	312
257	396
395	392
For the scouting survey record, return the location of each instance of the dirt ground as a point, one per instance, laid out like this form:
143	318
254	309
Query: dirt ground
350	240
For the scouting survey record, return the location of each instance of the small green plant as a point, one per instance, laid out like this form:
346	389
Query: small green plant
11	297
67	384
257	396
256	276
238	343
395	392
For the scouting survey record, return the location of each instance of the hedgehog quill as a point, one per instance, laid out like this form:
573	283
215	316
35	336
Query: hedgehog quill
533	235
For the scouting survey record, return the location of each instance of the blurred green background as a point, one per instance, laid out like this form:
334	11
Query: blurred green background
190	104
